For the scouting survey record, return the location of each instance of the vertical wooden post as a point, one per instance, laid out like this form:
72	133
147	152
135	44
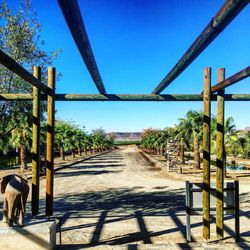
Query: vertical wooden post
206	153
220	158
36	144
50	141
237	211
188	215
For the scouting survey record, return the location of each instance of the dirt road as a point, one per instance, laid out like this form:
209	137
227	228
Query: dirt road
120	198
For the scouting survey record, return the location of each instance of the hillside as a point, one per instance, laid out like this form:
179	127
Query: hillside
126	136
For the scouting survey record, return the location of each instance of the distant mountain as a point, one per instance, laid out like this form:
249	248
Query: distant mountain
247	129
126	136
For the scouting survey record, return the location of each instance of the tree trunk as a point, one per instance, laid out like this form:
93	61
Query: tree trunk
225	163
23	156
182	159
23	151
62	154
73	154
79	151
162	151
196	152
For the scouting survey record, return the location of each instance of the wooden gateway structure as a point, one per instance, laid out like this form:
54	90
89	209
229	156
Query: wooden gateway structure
72	14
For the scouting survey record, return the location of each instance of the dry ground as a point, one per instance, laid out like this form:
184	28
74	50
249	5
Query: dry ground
120	198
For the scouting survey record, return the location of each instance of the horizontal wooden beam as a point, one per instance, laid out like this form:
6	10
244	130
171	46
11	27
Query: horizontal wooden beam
71	12
125	97
224	16
231	80
12	65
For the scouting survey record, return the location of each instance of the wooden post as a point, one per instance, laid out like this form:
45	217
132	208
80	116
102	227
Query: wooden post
237	211
220	158
188	215
50	141
36	144
206	153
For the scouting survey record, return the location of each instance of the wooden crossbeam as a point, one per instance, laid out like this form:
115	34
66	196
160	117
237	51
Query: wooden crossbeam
125	97
71	12
12	65
224	16
231	80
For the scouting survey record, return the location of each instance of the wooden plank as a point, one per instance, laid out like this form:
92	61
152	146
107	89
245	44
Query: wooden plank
129	97
12	65
188	207
231	80
206	153
237	211
36	144
125	97
220	159
224	16
73	17
50	142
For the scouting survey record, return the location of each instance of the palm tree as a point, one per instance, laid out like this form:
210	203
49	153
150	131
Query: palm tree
61	130
21	139
190	128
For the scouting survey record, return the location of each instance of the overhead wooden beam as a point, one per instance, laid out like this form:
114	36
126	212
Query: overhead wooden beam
71	12
125	97
128	97
12	65
231	80
224	16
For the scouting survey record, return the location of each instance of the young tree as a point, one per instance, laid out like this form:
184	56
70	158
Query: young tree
20	39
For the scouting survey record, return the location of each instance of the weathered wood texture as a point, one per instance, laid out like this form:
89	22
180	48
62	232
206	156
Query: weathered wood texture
50	142
36	144
231	80
226	14
73	17
206	153
220	158
12	65
125	97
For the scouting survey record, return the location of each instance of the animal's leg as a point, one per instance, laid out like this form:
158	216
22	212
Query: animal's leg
21	210
16	214
21	218
11	210
5	210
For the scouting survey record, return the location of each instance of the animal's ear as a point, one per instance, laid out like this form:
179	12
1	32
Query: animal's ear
5	181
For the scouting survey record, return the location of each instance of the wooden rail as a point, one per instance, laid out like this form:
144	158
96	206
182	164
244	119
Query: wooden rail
224	16
125	97
15	67
231	80
71	12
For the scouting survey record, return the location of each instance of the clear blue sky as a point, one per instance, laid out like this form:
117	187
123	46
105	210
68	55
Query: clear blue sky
136	43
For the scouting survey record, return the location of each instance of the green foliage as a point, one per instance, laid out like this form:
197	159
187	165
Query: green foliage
190	128
155	139
127	143
20	39
70	137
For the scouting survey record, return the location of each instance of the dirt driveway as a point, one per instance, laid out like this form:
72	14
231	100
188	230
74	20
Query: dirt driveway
120	198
